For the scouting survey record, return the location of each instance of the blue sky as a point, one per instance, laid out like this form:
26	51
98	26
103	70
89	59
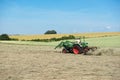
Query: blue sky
64	16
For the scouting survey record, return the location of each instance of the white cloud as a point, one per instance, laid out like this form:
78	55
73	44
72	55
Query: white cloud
108	27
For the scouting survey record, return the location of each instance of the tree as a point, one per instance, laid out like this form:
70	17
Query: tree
50	32
4	37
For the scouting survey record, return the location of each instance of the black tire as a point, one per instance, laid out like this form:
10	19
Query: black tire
64	50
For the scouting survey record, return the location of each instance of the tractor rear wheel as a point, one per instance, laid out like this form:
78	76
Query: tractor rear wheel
64	50
76	49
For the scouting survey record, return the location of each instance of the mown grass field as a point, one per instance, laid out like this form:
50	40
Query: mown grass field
90	35
31	62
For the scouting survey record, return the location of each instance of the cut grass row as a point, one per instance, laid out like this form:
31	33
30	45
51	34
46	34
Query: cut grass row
113	41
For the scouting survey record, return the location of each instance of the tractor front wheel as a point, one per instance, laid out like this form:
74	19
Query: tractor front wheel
64	50
76	49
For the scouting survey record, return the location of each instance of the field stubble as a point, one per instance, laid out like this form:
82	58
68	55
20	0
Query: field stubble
27	62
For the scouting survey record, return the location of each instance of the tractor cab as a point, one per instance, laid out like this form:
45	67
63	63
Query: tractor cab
81	42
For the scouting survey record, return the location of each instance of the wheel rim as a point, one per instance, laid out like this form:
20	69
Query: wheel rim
76	50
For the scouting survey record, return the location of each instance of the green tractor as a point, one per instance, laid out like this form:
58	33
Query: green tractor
76	47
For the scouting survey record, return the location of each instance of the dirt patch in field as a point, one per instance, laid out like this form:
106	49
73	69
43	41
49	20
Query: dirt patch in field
25	62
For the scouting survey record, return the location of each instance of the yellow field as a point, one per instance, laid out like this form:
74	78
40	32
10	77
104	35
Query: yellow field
30	37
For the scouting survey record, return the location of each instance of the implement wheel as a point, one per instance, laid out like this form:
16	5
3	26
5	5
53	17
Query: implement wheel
76	49
64	50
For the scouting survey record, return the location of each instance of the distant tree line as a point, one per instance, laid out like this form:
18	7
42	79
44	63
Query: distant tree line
6	37
50	32
55	39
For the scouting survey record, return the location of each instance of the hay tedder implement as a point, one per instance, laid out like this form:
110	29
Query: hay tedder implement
76	47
